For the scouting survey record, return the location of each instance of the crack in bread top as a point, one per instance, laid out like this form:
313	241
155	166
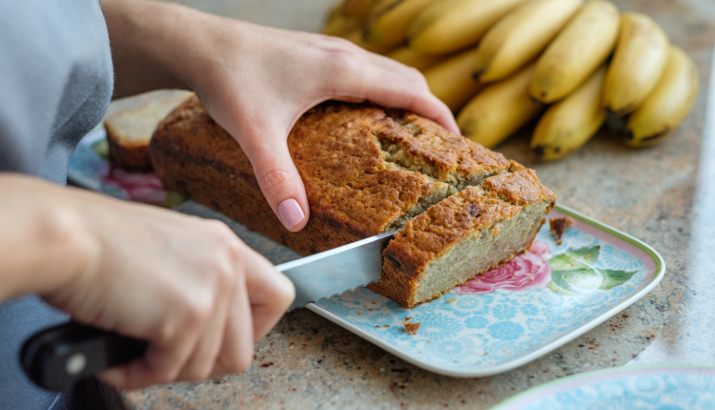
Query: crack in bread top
345	173
420	144
427	236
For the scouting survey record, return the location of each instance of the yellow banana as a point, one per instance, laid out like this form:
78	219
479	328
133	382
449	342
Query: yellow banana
571	122
417	60
669	103
639	60
389	21
339	24
453	25
451	81
579	49
356	36
500	109
358	9
520	36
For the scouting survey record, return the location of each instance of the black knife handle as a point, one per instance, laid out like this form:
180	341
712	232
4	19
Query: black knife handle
57	357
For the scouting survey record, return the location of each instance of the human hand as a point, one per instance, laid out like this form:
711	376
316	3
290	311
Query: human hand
188	286
261	80
257	81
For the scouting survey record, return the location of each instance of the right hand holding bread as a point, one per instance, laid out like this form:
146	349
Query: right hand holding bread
188	286
257	81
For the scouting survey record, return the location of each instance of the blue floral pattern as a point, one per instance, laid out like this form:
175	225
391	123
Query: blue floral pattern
668	388
458	333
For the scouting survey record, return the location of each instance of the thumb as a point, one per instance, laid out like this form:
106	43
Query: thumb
279	180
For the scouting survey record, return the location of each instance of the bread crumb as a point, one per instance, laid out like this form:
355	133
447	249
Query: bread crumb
451	300
559	225
410	327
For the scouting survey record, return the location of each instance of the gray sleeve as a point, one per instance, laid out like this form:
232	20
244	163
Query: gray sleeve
55	82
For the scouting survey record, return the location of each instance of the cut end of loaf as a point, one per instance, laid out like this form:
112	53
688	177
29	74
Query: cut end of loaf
463	236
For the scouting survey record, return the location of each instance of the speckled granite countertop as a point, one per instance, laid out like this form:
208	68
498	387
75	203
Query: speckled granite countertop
661	195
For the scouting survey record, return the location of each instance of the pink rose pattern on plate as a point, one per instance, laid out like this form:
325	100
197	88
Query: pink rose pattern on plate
529	270
138	186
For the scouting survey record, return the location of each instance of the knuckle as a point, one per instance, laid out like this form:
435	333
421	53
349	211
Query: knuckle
273	180
417	78
343	58
198	311
66	227
238	363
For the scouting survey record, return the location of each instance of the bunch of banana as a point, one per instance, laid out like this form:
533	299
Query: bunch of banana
579	49
637	65
500	109
356	36
452	25
389	21
358	9
412	58
507	59
668	104
520	36
451	80
339	23
571	122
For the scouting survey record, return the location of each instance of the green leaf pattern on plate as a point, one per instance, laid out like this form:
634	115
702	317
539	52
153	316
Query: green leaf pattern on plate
573	273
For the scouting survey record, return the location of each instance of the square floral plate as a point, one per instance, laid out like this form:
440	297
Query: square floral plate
498	321
649	387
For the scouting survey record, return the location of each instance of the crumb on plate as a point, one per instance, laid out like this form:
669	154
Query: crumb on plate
410	327
559	226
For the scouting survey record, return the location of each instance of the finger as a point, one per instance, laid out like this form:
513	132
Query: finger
392	84
170	346
270	293
202	359
159	365
277	176
236	352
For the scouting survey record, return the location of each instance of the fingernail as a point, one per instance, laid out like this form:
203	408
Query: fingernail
290	213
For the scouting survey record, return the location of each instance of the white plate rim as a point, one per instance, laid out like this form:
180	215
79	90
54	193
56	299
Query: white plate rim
614	373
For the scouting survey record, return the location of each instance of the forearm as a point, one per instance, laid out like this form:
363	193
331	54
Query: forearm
43	243
153	44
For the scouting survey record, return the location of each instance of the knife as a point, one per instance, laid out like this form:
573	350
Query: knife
57	357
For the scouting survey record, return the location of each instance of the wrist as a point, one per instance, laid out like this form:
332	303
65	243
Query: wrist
45	241
147	44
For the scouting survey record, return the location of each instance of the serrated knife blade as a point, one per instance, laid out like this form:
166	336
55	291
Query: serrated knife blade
57	357
333	272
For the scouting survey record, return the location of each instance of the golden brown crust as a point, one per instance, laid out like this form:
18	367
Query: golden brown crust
521	187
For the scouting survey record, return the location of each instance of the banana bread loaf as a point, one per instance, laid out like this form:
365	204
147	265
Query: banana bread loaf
369	170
